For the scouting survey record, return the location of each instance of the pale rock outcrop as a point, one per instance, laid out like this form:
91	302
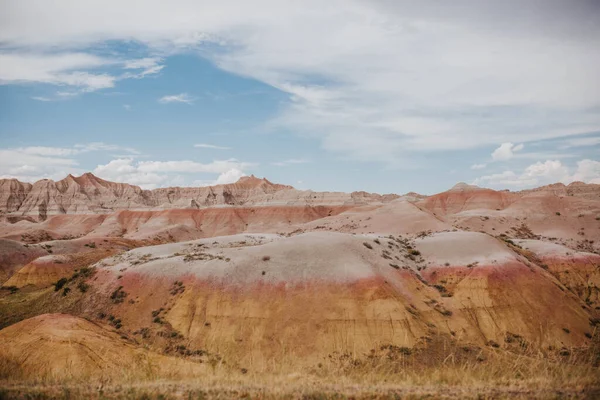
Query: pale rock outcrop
88	194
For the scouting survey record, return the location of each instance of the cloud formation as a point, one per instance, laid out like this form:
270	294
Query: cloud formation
153	174
177	98
78	71
291	161
506	151
478	166
372	80
33	163
210	146
543	173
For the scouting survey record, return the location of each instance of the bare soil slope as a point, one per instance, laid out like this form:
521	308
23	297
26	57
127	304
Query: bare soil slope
53	346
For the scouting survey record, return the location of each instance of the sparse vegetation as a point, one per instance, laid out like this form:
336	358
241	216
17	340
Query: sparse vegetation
440	288
83	287
177	288
11	289
118	295
314	342
60	283
116	322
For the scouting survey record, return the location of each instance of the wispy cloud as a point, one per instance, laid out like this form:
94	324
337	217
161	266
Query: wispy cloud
478	166
290	161
100	146
148	66
211	146
40	98
372	80
580	142
177	98
76	70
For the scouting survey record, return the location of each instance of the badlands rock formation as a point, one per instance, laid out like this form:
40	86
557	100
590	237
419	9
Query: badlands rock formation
260	274
251	296
79	349
89	194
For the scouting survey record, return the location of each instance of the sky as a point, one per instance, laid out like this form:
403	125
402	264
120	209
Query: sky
383	96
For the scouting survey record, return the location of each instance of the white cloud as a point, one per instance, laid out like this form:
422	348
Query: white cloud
506	151
100	146
58	69
149	66
124	170
176	98
32	163
47	151
478	166
66	94
543	173
290	161
373	80
71	69
142	63
231	176
58	96
587	171
20	156
152	174
127	107
192	166
580	142
211	146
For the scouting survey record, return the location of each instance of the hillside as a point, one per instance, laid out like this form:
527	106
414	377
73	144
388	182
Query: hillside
88	194
254	280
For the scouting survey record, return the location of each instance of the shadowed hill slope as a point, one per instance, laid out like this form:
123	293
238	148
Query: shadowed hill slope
60	346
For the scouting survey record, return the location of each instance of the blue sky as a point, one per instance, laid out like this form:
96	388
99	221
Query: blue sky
378	96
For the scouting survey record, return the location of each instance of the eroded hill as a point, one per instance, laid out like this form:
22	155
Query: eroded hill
276	279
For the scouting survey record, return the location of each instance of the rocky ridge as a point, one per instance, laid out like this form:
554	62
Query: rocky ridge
88	194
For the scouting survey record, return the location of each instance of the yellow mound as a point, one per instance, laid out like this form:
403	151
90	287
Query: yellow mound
61	346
